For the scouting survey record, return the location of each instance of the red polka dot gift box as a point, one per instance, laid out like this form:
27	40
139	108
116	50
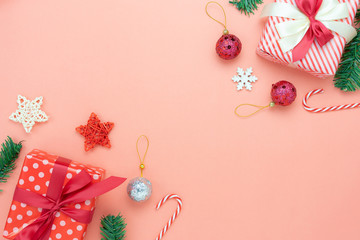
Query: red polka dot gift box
55	198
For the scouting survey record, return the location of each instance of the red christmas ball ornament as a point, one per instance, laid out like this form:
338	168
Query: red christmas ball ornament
283	93
228	46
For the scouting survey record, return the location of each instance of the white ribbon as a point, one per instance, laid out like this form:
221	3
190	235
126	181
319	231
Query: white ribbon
292	32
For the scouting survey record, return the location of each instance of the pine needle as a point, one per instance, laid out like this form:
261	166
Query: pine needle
113	227
347	77
8	154
247	6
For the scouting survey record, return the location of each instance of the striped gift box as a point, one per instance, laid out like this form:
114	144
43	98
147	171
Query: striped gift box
319	61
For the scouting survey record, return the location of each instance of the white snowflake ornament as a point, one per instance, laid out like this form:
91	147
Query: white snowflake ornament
244	78
29	112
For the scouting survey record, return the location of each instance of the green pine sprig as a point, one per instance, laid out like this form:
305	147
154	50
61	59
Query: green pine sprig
113	227
247	6
8	154
347	77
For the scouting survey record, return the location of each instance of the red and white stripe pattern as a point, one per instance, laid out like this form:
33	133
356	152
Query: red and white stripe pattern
319	61
325	109
176	213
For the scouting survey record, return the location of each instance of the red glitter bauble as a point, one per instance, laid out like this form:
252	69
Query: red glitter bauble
228	46
283	93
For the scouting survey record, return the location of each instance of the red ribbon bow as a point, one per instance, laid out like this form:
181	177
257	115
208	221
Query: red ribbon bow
79	189
316	30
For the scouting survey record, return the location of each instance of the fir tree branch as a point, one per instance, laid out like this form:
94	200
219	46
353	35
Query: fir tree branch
357	17
347	77
246	6
8	154
113	227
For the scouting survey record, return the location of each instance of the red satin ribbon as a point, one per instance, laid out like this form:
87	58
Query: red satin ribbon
79	189
317	29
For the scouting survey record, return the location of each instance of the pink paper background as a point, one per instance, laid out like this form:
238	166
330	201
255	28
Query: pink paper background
151	67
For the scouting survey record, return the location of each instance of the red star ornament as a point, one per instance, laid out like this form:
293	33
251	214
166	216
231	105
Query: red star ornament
95	132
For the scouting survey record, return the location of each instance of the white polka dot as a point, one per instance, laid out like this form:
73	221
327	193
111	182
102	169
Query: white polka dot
69	232
6	233
77	206
35	165
53	227
21	182
19	217
75	239
9	220
44	194
73	165
29	213
62	223
96	177
15	229
45	162
25	169
41	174
57	214
47	183
23	204
58	235
78	171
13	207
37	188
51	170
72	220
69	176
79	227
29	156
31	179
39	209
87	202
25	225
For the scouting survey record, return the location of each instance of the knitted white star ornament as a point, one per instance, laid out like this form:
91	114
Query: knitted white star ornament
29	112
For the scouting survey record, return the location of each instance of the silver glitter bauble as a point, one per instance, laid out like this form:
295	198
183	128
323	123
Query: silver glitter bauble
139	189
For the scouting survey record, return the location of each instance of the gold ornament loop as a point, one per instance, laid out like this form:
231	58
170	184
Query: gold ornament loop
142	159
223	24
271	104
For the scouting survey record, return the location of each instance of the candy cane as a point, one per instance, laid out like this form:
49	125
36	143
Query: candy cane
325	109
172	219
